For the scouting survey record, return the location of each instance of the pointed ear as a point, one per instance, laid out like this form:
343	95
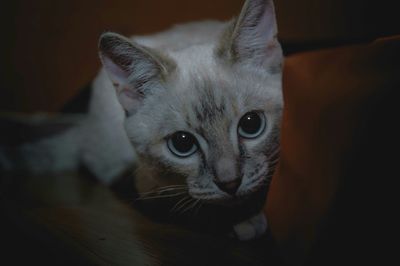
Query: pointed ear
252	37
134	70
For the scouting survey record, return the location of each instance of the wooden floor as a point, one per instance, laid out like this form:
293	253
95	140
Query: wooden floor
70	220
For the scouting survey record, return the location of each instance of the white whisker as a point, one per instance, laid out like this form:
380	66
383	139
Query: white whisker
177	205
184	204
163	189
274	161
274	153
190	206
160	196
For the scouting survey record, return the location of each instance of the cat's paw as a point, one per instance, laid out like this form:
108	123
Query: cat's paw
251	228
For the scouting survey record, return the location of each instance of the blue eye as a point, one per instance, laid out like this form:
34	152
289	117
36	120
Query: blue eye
252	125
182	144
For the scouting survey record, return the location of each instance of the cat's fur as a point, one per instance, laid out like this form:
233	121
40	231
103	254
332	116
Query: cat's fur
199	78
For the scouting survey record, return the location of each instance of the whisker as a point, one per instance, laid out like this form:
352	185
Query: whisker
274	153
170	189
190	199
274	161
160	196
183	204
177	205
190	206
269	174
163	189
170	186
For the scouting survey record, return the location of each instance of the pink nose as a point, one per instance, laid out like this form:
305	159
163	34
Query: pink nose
229	187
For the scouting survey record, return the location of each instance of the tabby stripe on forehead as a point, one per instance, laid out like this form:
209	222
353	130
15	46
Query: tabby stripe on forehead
207	108
206	112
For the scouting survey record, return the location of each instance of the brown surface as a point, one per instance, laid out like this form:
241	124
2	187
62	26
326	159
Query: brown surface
328	95
83	223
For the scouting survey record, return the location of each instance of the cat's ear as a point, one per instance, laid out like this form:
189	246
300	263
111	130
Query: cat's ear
252	37
134	70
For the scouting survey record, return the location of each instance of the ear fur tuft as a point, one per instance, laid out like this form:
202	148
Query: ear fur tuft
252	37
132	68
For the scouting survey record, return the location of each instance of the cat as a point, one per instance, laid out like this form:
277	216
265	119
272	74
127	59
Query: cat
203	104
195	110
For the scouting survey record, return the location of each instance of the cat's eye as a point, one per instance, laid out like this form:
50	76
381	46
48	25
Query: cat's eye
252	125
182	144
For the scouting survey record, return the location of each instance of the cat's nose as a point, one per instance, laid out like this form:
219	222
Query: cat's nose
229	187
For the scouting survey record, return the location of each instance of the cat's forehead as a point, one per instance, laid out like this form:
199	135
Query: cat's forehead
209	98
212	85
211	105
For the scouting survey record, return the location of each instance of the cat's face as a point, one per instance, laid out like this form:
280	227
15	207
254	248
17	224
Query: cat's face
208	115
218	130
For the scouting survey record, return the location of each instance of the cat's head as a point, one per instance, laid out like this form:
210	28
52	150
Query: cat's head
206	117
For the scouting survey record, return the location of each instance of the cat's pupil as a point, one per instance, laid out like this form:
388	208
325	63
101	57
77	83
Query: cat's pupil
250	123
183	142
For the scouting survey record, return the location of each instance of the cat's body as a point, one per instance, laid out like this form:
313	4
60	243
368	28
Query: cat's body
203	104
196	108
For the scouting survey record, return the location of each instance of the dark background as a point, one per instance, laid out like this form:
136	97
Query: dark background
49	48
